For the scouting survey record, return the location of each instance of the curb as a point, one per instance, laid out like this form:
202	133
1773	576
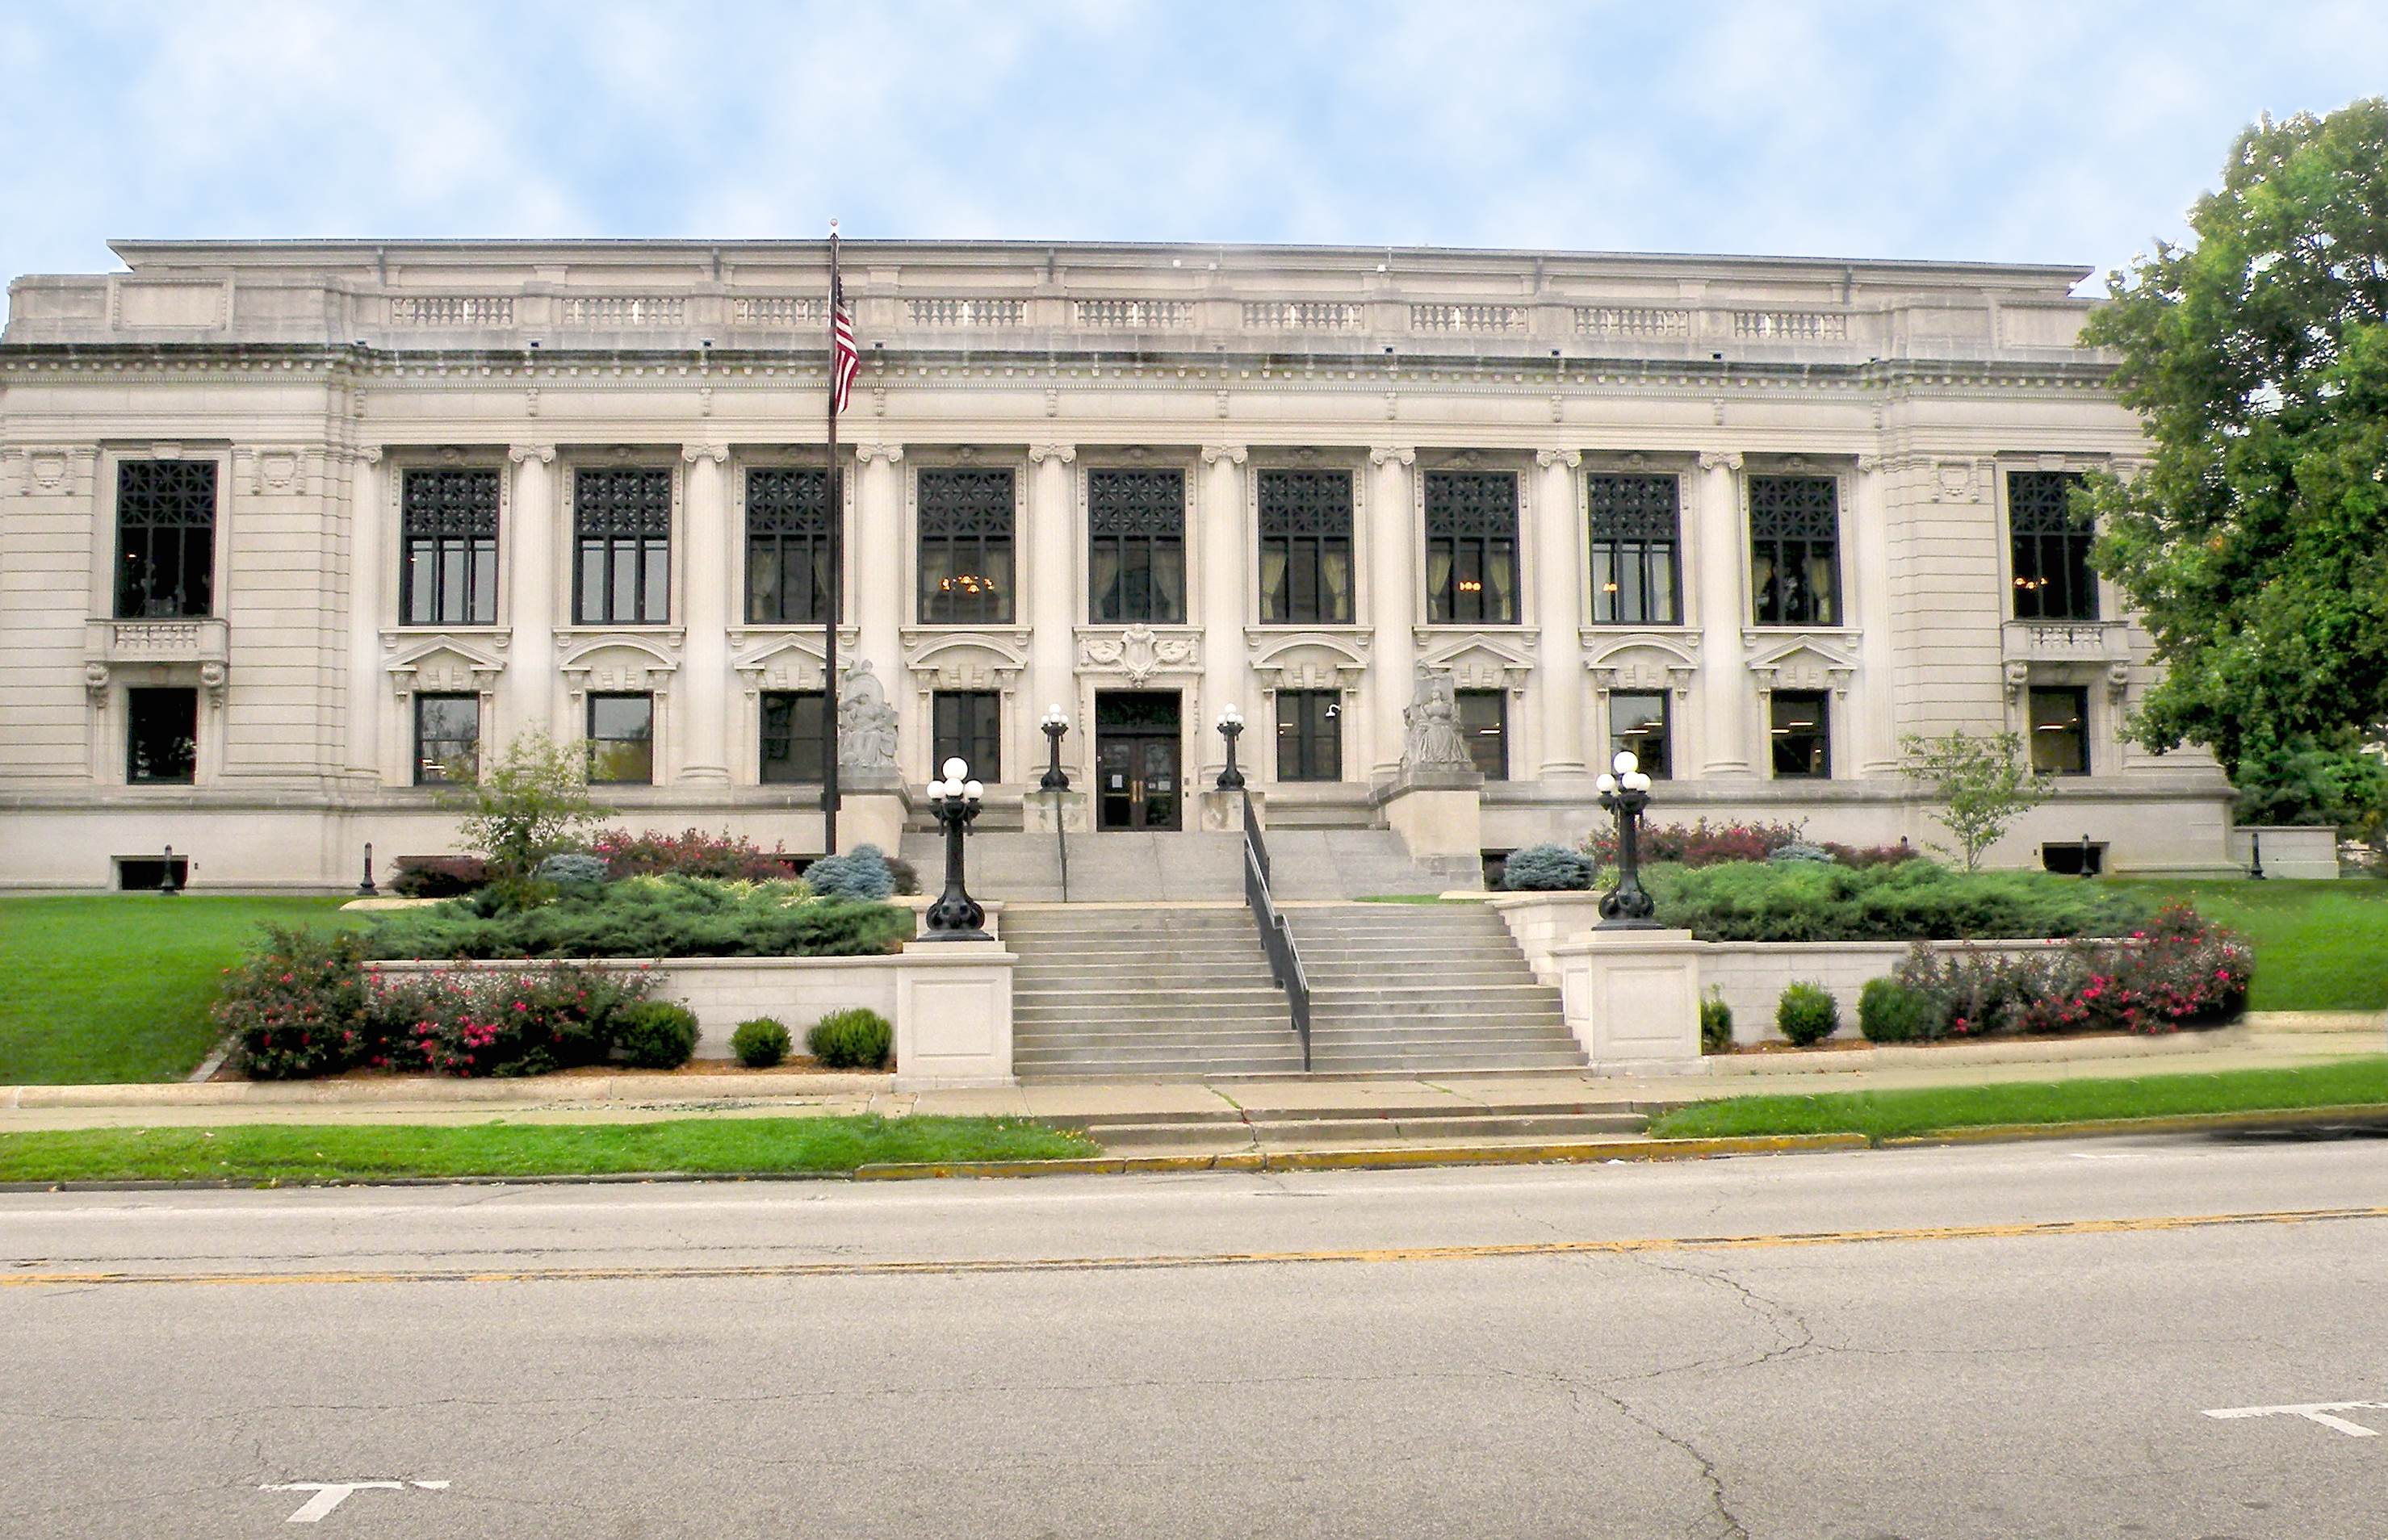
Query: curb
1574	1152
2369	1115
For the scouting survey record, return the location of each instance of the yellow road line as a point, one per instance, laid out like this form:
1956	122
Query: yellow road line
1211	1259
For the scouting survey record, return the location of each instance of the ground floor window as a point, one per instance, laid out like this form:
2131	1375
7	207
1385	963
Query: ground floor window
794	747
2060	730
967	726
161	736
1802	724
621	740
1484	723
1309	735
447	737
1637	725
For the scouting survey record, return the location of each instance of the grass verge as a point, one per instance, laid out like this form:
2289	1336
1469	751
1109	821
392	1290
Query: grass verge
106	988
1891	1114
741	1146
2320	946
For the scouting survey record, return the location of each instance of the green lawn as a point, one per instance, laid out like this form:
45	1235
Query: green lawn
2320	946
109	987
744	1146
1889	1114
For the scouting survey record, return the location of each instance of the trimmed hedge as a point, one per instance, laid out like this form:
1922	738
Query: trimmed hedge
1807	901
1716	1025
1889	1011
656	1034
649	916
1807	1013
851	1039
759	1043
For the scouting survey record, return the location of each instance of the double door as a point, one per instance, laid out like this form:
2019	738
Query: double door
1138	782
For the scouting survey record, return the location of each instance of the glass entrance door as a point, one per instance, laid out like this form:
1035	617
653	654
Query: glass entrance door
1136	760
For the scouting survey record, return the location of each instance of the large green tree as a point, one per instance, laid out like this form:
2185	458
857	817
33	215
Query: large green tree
2255	541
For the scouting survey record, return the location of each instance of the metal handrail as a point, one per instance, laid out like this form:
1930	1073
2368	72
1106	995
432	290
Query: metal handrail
1276	938
1061	842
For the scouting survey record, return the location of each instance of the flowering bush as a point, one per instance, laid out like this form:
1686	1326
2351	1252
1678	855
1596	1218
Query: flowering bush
2178	971
440	876
1699	844
515	1022
689	853
295	1006
1863	856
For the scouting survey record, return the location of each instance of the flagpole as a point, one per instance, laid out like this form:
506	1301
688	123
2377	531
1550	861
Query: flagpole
835	498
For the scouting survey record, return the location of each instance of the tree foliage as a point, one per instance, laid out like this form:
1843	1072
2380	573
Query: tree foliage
1981	783
2255	541
533	802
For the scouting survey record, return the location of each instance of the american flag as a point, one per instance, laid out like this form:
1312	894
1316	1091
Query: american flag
846	360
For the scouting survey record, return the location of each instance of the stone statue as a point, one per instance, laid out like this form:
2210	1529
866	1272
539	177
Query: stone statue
1430	738
866	723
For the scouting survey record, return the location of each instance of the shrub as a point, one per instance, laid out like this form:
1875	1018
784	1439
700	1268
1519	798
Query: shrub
2177	971
689	853
854	1039
655	1034
1863	856
1802	901
1889	1011
572	869
530	803
514	1021
1546	868
862	873
650	916
295	1006
759	1043
1699	844
1807	1013
1784	855
438	875
1716	1025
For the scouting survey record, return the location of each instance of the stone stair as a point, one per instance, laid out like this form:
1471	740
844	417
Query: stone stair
1357	863
1423	989
1171	865
1144	991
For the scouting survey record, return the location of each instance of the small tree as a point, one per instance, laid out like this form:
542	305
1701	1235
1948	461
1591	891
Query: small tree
532	803
1982	783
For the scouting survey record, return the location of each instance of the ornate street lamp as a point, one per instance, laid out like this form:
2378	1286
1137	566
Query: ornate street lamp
1231	727
1626	793
956	916
1055	725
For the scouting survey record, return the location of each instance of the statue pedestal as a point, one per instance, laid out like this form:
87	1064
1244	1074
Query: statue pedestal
1436	812
1047	812
1217	812
874	808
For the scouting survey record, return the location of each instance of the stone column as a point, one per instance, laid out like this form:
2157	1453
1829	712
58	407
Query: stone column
1220	509
1874	727
367	684
1393	601
530	651
704	663
1052	615
1722	555
874	595
1559	577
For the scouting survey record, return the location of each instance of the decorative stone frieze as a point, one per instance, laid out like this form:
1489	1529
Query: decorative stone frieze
445	663
1314	658
1802	660
1478	660
1642	660
599	658
1138	653
787	659
957	658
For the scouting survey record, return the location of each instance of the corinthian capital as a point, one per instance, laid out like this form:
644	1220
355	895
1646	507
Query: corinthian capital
1719	460
1387	454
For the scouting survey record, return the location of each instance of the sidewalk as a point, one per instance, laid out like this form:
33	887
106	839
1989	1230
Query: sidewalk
1133	1116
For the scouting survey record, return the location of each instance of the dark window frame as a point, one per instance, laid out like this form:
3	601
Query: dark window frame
429	770
2049	547
788	514
1310	724
1818	755
804	756
181	757
1794	520
1471	730
950	735
1664	768
1136	526
622	523
1472	528
167	512
450	531
2077	697
965	535
1633	525
1306	527
594	741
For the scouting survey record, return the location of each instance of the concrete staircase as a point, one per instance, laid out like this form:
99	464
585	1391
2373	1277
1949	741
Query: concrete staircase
1357	863
1168	865
1424	988
1144	991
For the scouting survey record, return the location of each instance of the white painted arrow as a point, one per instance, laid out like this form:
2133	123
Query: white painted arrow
2314	1411
331	1494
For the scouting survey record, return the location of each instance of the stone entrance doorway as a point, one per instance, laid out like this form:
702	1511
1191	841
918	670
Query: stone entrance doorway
1137	743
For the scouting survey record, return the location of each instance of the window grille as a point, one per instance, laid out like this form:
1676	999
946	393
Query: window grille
622	524
449	531
1471	547
1136	534
165	538
1795	550
2051	544
966	551
1306	536
787	545
1637	550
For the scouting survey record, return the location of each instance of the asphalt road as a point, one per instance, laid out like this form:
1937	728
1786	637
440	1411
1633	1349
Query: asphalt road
2033	1349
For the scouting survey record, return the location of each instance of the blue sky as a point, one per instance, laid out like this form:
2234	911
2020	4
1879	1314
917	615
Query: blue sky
2028	131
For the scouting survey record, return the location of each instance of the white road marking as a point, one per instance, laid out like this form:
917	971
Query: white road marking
331	1494
2314	1411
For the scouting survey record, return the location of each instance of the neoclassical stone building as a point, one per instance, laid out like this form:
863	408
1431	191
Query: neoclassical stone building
291	530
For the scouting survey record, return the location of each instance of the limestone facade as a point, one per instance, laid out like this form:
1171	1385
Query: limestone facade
1070	475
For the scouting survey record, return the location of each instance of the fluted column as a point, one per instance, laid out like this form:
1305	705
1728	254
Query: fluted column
1724	610
1221	510
529	698
1053	568
875	599
1393	601
367	683
1560	569
705	659
1867	561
